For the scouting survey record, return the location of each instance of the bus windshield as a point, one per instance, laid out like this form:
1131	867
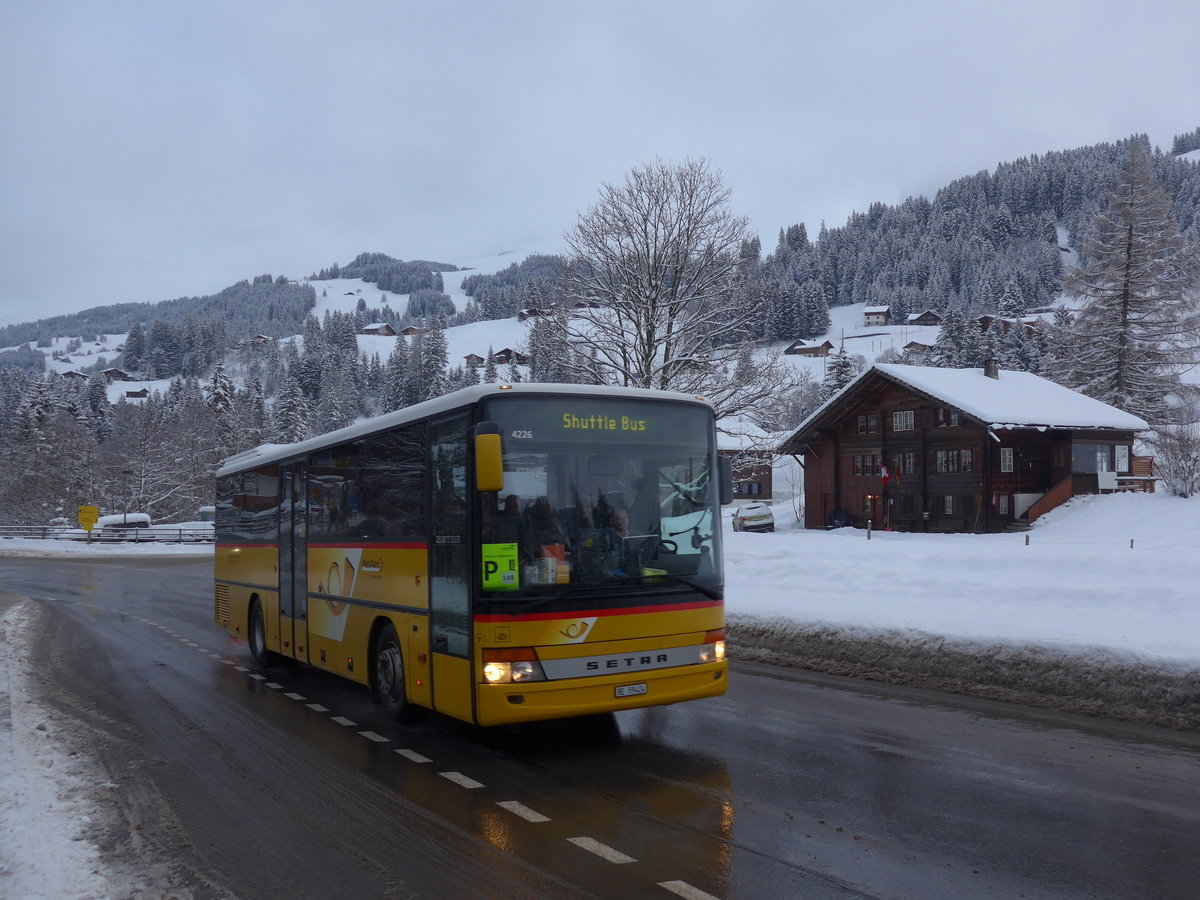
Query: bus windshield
598	495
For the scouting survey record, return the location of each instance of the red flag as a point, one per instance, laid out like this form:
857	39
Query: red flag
886	474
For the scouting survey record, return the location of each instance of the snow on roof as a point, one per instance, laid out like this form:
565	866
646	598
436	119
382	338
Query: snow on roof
737	434
1013	400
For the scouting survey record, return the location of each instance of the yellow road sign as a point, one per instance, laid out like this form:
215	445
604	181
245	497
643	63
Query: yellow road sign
88	515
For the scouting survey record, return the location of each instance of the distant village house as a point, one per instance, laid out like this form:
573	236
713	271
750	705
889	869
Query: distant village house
803	348
876	315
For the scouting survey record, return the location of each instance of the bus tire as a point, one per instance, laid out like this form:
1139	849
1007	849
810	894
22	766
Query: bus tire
388	678
257	634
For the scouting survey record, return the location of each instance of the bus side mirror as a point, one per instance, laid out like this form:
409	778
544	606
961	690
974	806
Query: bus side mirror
725	477
489	458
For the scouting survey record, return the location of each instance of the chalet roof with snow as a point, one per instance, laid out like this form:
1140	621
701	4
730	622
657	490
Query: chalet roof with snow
1012	400
379	328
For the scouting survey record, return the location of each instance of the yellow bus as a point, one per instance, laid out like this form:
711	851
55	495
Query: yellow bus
505	553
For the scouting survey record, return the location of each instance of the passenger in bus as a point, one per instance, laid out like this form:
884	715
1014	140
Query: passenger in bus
542	529
645	515
503	525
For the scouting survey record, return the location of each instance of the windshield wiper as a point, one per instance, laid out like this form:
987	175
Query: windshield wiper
628	581
577	591
706	591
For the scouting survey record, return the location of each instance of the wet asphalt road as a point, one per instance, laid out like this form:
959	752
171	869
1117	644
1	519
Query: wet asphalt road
282	782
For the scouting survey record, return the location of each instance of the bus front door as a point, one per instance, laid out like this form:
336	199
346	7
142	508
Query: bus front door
293	564
449	586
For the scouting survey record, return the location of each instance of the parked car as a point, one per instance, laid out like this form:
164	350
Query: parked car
753	517
132	526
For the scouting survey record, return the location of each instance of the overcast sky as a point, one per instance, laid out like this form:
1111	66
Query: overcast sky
154	150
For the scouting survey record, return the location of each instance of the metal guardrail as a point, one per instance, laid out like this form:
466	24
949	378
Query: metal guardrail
162	534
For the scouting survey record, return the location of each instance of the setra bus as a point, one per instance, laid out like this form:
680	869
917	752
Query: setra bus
501	554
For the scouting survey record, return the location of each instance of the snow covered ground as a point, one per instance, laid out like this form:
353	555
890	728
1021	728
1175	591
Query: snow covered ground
1078	588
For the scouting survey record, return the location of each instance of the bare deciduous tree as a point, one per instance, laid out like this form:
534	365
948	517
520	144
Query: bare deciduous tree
1177	450
650	276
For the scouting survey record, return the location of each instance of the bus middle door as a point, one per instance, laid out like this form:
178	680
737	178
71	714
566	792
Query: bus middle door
449	585
293	564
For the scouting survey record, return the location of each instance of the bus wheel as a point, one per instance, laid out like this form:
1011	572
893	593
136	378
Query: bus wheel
258	633
389	673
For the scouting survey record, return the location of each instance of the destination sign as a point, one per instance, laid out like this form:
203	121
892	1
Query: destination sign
545	419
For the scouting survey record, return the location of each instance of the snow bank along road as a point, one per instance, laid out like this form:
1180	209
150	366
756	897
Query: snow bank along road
1098	613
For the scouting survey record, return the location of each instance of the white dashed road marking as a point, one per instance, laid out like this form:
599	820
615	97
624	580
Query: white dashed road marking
685	890
317	707
372	736
413	755
520	809
461	780
294	696
591	845
342	720
258	677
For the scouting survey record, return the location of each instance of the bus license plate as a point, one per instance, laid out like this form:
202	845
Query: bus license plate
631	690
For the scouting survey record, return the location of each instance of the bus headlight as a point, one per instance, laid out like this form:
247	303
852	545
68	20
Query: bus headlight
525	671
713	648
497	672
511	666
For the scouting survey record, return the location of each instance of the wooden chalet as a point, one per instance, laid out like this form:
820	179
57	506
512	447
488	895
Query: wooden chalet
474	359
928	317
751	452
803	348
410	330
115	374
383	329
876	315
916	448
508	355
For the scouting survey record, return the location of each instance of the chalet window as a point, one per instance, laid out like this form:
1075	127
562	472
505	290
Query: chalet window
1092	458
948	505
947	460
1002	505
965	458
858	465
1122	458
947	417
908	462
1006	459
868	424
904	420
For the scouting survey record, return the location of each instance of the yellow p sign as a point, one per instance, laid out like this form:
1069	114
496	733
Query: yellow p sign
88	516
